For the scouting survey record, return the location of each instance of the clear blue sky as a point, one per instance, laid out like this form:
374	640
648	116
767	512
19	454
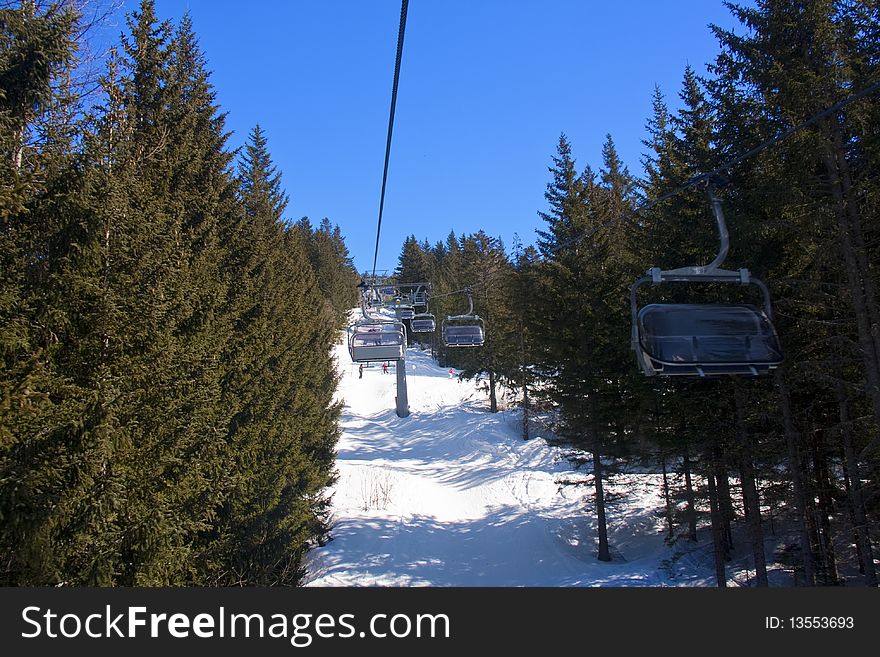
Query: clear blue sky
486	87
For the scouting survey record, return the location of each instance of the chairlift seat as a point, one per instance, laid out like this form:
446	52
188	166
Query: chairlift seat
377	342
423	323
463	333
706	339
404	312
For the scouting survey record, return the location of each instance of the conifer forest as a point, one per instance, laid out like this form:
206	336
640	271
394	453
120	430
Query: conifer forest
167	391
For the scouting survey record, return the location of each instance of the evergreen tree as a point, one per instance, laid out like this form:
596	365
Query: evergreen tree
278	388
332	264
44	464
582	337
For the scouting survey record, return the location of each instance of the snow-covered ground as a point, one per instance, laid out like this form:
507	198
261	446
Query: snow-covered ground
452	496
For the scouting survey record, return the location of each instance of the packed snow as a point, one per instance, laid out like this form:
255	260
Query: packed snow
453	496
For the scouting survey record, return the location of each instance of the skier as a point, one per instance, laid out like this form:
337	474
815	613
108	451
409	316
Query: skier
384	368
450	372
361	371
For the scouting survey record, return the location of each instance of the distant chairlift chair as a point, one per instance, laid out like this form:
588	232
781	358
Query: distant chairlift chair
376	338
404	312
423	323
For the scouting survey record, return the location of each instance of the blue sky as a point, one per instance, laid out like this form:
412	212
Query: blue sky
486	87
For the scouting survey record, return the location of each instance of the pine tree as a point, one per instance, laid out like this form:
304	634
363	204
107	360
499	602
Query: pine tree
581	337
332	264
45	464
279	386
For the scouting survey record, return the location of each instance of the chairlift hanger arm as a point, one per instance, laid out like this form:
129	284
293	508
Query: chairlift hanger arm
470	297
723	235
711	182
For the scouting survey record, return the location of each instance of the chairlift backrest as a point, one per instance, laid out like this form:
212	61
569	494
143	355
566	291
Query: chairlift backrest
463	331
707	339
423	323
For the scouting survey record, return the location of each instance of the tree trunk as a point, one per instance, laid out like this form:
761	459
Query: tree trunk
601	526
493	400
525	381
724	498
861	528
825	509
667	497
854	524
858	239
691	511
792	439
751	500
717	533
859	284
856	500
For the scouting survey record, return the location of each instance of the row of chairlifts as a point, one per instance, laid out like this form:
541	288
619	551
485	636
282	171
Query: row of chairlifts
379	337
424	321
375	337
704	339
406	304
669	339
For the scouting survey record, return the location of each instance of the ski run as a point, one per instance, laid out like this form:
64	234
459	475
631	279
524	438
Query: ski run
453	496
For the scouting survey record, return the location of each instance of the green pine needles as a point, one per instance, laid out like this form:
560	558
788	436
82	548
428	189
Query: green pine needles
166	411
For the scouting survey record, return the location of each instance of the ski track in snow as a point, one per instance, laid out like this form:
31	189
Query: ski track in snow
452	496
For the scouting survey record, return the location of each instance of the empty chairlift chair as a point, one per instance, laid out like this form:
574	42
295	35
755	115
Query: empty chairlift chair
423	323
710	339
466	330
706	339
463	332
374	342
404	312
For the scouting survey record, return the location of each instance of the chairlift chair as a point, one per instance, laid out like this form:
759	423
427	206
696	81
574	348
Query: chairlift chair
404	312
466	330
463	331
706	339
423	323
379	341
700	340
376	338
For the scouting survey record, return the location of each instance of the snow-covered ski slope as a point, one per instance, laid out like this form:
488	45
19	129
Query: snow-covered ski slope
452	496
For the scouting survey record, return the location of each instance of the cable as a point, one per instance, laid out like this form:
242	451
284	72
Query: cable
469	289
403	8
867	91
729	164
